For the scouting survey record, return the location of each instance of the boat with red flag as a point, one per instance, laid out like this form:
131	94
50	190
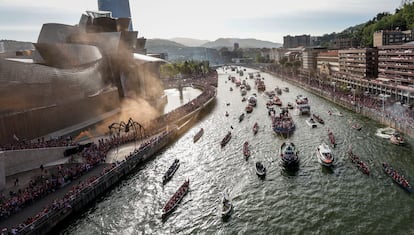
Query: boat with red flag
175	199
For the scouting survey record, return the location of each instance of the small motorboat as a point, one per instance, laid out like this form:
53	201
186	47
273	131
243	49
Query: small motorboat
198	135
175	199
331	138
397	177
318	119
386	132
356	126
311	123
255	128
170	172
286	89
228	104
226	139
339	114
249	108
324	154
227	206
260	170
246	150
362	166
252	101
241	117
397	139
289	154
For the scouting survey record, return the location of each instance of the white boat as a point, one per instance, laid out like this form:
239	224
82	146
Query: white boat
324	154
311	123
227	206
260	170
385	133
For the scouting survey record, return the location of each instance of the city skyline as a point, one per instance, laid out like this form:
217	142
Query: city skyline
264	19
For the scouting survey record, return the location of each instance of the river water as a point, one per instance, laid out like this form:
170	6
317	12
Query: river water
311	200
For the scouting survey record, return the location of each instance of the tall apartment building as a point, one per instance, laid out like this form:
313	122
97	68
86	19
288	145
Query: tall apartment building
309	57
277	54
392	37
328	62
345	43
396	63
359	63
296	41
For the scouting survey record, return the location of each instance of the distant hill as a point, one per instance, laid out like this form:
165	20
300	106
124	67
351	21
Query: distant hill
156	42
243	43
190	42
179	52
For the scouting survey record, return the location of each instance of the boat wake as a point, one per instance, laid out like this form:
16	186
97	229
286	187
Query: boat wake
385	133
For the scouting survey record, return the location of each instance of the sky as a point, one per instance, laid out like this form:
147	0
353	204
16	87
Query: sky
267	20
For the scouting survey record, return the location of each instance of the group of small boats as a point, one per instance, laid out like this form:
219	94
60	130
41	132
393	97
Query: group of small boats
283	123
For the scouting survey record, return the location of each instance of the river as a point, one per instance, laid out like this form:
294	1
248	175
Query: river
312	200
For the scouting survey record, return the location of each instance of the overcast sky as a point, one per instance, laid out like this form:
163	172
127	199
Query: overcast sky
210	19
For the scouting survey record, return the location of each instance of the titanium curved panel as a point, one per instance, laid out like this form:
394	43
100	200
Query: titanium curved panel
56	33
61	55
28	86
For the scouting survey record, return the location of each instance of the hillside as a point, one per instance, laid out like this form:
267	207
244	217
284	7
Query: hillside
156	42
402	19
243	43
190	42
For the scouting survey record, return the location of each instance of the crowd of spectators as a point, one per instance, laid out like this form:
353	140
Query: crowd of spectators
39	143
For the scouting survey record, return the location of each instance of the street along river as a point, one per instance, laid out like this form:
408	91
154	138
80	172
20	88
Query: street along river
311	200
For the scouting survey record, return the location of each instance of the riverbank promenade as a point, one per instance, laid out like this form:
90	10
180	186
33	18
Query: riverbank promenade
42	198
